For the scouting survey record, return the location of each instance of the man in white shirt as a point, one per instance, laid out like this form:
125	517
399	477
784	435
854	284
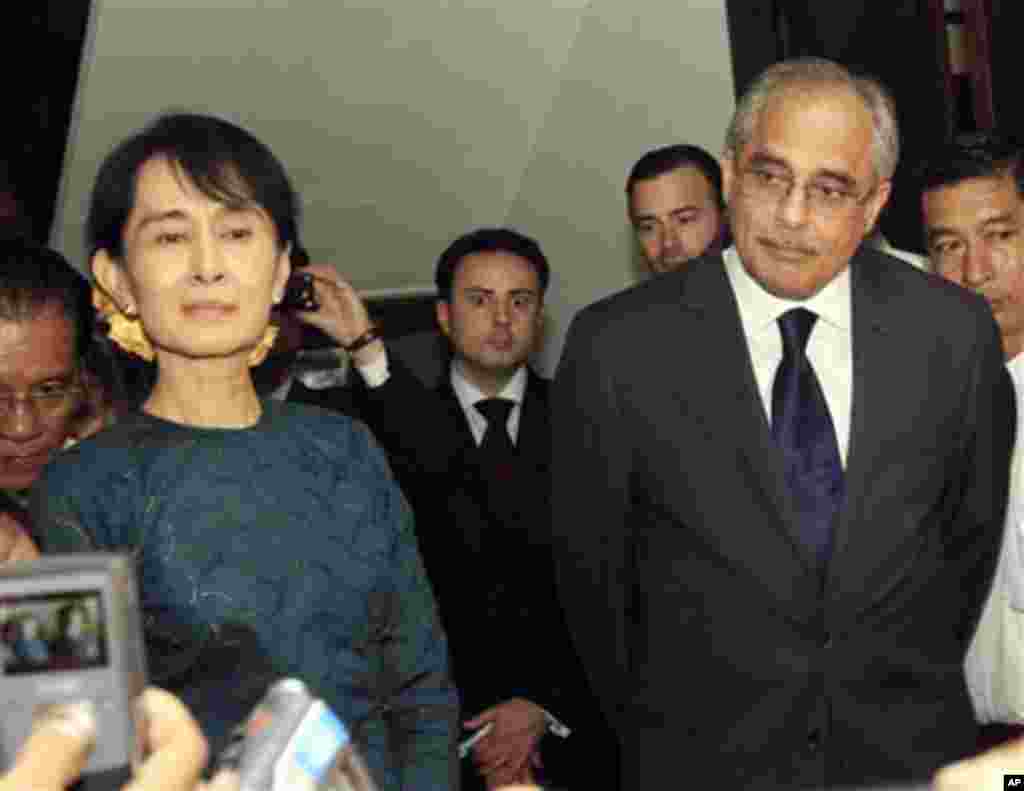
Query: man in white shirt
778	495
973	211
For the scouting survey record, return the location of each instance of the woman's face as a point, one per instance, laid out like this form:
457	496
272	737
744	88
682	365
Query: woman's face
201	275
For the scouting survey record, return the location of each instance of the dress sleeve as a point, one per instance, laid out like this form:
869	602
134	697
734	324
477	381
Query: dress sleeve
56	522
418	722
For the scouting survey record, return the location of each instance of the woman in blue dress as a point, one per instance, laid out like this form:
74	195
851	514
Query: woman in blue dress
275	518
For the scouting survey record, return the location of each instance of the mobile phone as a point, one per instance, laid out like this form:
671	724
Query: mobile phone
299	293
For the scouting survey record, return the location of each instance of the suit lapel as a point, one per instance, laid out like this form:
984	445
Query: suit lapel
503	521
463	439
463	498
877	353
712	313
533	442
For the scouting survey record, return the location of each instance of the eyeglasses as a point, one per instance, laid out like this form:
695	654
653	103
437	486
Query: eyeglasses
822	196
49	401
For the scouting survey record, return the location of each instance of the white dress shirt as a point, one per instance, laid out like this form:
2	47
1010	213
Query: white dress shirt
317	369
829	347
468	394
1014	536
984	672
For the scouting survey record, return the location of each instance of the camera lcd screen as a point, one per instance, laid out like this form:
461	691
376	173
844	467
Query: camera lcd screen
53	632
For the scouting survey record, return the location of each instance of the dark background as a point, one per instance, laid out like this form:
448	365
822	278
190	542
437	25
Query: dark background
40	64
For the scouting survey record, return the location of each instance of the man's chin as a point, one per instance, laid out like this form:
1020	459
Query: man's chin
797	289
663	266
496	365
798	279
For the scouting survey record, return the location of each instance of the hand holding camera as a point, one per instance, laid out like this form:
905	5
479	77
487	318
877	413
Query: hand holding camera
63	736
72	669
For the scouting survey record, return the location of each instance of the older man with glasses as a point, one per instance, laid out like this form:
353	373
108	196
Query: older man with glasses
775	532
46	397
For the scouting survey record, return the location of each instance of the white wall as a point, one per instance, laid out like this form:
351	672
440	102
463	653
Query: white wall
407	122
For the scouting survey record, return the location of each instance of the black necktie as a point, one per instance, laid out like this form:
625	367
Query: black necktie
803	429
496	446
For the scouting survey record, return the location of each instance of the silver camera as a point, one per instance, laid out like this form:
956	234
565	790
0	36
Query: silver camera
295	742
70	631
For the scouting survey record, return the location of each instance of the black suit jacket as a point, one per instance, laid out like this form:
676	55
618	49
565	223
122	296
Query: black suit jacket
472	539
487	553
699	615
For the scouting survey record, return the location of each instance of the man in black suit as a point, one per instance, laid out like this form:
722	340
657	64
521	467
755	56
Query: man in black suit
473	458
779	474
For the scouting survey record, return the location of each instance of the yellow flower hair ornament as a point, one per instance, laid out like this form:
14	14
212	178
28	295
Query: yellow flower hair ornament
124	330
262	349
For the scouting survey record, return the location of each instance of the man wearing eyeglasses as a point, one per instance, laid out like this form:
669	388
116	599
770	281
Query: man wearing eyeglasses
778	494
45	330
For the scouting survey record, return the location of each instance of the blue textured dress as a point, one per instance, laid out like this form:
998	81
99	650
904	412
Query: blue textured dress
293	529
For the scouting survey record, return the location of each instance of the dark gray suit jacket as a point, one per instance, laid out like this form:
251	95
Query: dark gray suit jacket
710	637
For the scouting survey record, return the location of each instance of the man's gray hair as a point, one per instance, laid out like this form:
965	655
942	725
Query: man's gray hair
811	73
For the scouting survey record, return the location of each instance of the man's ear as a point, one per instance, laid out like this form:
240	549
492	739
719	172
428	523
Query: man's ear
727	164
443	312
284	271
113	279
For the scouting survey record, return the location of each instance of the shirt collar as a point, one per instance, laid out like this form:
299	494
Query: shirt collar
762	310
1016	366
468	393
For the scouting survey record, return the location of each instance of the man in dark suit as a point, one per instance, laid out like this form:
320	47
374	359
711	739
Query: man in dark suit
779	474
473	457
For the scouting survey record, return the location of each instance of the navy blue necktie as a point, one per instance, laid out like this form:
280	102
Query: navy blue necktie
803	429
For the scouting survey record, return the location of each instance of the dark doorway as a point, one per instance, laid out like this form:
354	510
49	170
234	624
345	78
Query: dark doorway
891	40
46	40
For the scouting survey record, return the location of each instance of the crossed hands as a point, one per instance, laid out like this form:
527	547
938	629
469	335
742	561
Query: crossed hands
509	753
